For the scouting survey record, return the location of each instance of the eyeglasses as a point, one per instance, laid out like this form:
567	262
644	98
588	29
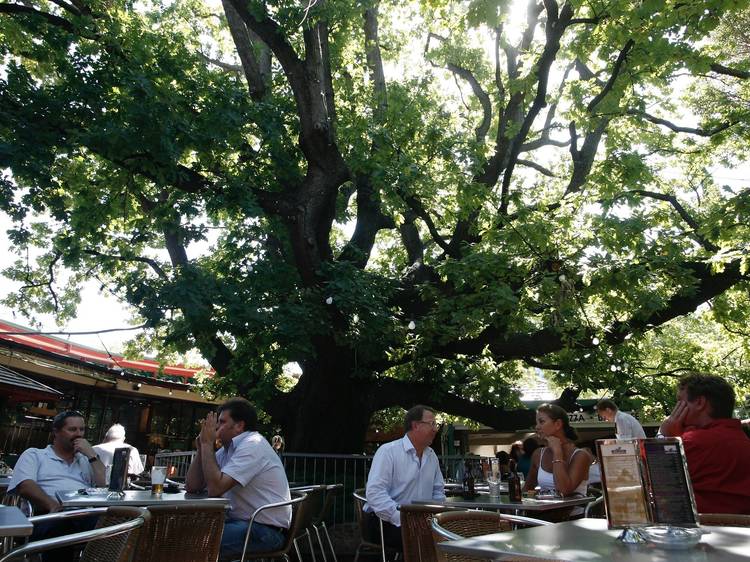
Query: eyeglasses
433	424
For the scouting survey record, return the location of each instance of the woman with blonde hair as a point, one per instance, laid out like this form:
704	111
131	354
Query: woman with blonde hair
560	465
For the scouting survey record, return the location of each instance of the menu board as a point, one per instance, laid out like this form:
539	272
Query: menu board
646	482
119	476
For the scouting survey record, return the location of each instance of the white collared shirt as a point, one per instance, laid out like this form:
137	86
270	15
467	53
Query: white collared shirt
252	462
398	476
627	427
52	473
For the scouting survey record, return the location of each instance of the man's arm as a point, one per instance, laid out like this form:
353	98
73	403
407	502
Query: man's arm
674	425
194	481
216	481
378	485
97	467
39	499
438	486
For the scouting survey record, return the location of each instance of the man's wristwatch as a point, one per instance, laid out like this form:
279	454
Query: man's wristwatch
93	459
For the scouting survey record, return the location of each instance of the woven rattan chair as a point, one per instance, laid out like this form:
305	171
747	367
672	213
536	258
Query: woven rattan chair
462	524
189	532
724	519
116	529
416	531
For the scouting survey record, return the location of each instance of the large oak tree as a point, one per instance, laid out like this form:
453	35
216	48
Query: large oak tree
410	201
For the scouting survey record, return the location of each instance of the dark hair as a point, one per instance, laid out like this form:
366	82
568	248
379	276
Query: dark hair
606	405
717	391
414	414
58	422
530	444
241	410
555	412
503	457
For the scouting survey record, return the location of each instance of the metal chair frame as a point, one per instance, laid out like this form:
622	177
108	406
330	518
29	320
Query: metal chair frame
295	503
100	533
359	497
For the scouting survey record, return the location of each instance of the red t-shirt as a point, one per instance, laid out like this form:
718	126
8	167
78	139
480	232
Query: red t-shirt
718	458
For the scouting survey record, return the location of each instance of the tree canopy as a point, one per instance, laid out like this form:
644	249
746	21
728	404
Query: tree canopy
410	201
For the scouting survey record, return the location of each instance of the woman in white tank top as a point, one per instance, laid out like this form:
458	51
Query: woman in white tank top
560	465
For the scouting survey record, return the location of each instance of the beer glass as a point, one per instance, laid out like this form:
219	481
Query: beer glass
158	476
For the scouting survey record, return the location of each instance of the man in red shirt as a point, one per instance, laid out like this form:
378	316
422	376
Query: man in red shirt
717	450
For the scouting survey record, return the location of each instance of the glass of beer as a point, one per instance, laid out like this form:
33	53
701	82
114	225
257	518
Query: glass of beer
158	476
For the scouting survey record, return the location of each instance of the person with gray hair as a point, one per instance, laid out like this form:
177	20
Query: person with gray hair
115	439
403	470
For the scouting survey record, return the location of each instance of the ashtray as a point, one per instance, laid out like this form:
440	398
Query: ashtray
94	491
172	489
672	538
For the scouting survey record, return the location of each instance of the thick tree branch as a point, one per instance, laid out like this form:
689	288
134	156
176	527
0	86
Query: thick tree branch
538	167
678	129
721	69
616	69
484	99
21	10
254	55
387	392
138	259
672	200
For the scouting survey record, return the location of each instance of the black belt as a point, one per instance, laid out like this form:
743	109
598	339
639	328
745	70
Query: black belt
281	530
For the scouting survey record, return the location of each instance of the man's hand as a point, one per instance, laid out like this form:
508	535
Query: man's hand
207	435
84	447
674	425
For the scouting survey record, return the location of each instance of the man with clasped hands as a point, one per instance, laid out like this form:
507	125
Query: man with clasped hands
246	471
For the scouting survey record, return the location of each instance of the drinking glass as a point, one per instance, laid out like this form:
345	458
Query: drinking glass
158	476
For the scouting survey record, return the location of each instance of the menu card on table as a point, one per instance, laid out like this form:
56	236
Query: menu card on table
646	482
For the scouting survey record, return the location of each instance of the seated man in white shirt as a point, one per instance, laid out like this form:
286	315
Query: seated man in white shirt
115	439
246	471
626	426
403	471
69	463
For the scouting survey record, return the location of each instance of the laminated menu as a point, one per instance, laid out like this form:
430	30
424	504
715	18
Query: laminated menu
646	482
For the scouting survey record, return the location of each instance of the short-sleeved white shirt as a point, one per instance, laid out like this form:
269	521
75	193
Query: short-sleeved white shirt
261	478
627	427
52	473
106	452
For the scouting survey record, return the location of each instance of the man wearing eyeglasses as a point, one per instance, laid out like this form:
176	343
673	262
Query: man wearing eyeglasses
403	471
69	463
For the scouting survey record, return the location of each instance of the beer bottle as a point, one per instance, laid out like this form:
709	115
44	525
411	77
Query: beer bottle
469	487
514	484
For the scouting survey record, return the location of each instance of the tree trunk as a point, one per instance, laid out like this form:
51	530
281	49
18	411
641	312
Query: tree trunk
328	411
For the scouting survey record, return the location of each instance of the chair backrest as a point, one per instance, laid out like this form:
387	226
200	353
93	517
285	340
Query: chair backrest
724	519
332	493
299	516
117	547
461	524
113	539
189	532
416	532
314	504
21	503
359	503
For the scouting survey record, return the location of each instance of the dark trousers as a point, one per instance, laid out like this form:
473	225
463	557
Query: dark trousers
51	529
391	533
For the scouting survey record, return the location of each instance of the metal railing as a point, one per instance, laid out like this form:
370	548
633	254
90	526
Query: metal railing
313	468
